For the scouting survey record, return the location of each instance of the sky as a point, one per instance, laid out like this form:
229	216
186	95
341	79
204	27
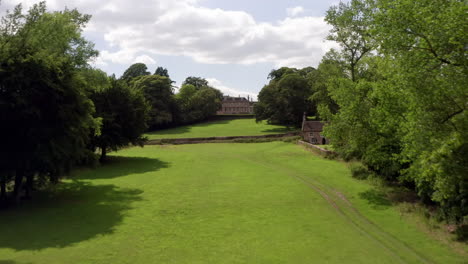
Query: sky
232	44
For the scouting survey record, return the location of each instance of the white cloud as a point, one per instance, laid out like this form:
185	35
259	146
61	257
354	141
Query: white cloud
294	11
207	35
230	91
145	59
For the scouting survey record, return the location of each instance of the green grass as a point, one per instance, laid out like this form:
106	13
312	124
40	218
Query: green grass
215	203
221	128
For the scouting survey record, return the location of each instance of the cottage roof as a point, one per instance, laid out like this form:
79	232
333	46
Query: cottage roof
312	126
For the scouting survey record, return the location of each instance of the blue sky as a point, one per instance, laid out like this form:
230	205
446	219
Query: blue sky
233	44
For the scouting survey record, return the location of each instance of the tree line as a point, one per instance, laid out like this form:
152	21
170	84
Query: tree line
57	112
394	95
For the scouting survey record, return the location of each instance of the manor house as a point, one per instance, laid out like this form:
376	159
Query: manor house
236	105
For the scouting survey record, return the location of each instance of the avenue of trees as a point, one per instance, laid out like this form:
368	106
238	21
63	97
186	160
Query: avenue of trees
57	112
394	95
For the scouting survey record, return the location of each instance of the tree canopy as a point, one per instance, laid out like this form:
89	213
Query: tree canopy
46	114
158	92
161	71
135	70
286	98
124	113
402	108
197	100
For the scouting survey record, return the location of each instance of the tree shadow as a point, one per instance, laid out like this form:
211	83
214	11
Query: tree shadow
171	131
74	212
213	122
376	199
118	166
13	262
279	130
187	128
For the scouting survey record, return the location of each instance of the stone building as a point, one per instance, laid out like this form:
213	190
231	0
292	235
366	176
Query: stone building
236	106
312	132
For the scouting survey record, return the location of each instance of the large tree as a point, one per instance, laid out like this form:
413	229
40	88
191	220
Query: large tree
428	40
197	100
403	110
285	99
159	93
46	115
124	113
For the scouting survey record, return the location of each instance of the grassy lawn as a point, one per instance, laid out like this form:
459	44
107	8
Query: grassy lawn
215	203
220	128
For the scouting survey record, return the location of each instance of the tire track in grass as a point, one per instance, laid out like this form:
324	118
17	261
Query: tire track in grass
362	224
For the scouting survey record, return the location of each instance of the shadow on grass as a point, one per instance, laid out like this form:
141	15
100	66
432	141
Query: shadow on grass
279	130
118	166
188	128
171	131
13	262
376	199
73	213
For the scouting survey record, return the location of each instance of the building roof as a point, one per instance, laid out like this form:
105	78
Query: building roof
312	126
229	98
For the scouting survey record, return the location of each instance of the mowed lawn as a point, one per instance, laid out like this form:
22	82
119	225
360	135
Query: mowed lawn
221	128
214	203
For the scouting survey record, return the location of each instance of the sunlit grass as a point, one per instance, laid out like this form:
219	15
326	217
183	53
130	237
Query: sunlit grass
221	128
214	203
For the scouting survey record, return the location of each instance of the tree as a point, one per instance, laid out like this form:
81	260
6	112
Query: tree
197	101
159	94
322	81
198	82
135	70
351	24
427	40
124	114
403	110
162	72
46	115
285	99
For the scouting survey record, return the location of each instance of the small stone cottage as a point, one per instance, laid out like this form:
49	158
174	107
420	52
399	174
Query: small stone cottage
312	132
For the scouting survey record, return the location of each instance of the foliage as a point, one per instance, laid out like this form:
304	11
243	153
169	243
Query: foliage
403	112
159	94
197	101
285	99
359	171
322	80
46	115
124	114
135	70
161	71
198	82
351	22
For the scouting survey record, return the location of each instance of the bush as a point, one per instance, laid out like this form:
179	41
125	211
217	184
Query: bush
359	171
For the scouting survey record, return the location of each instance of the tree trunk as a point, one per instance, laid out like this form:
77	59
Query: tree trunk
18	186
3	187
103	154
29	185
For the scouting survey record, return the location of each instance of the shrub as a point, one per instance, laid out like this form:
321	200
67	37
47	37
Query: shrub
359	171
